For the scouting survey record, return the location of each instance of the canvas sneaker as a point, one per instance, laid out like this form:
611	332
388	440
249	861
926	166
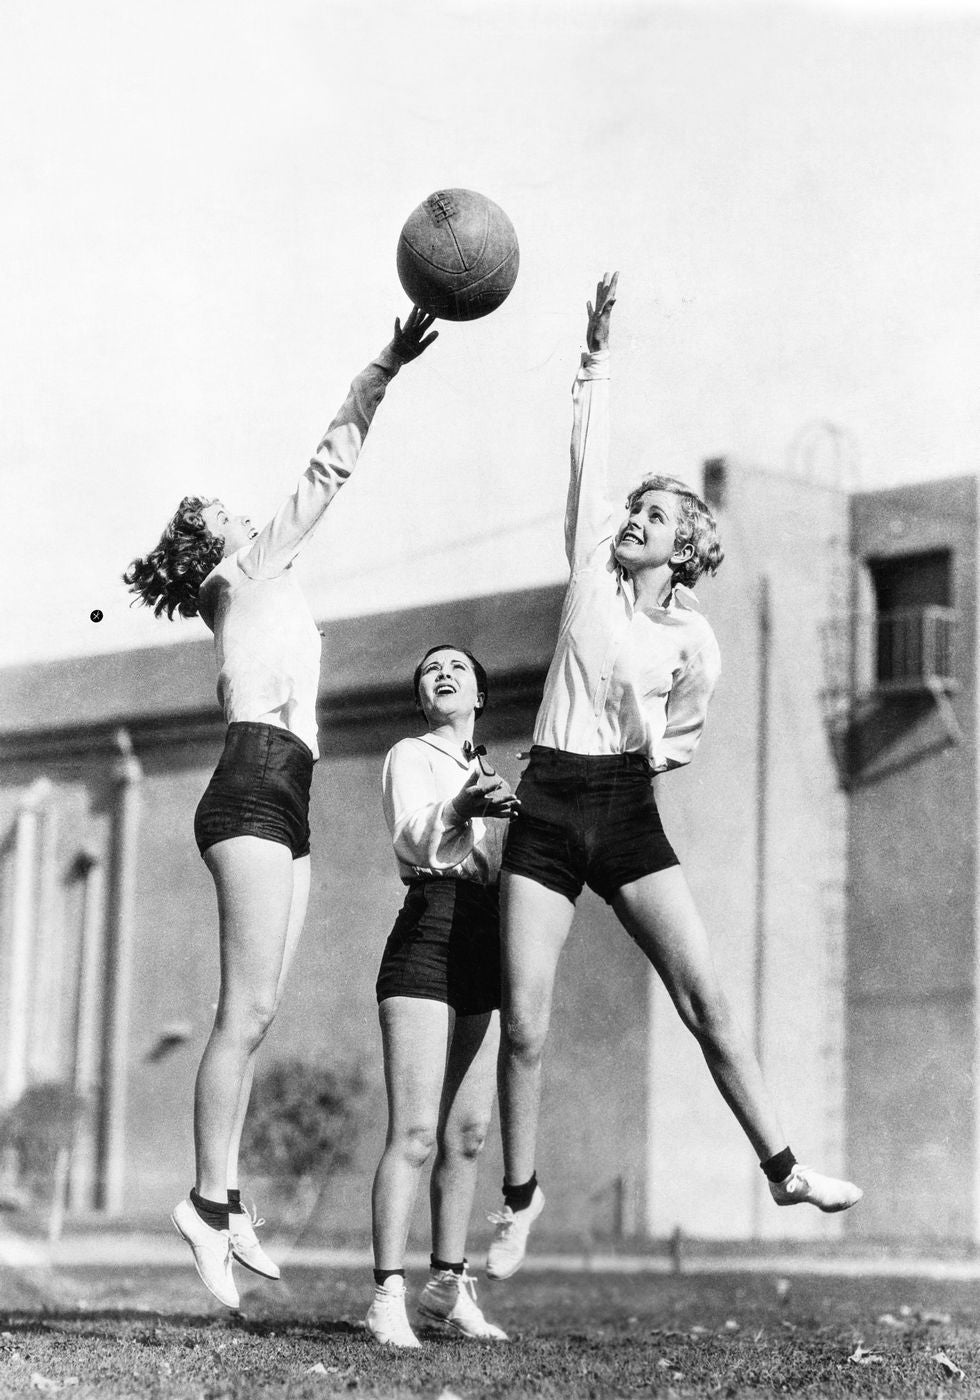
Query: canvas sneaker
387	1322
449	1300
804	1185
245	1246
509	1244
212	1252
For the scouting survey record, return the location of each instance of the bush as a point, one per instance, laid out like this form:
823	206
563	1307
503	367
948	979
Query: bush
302	1120
35	1129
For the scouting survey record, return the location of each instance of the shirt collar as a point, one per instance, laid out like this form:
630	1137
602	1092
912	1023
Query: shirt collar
445	746
680	595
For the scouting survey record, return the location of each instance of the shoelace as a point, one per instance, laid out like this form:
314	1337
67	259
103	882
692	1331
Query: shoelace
251	1214
502	1217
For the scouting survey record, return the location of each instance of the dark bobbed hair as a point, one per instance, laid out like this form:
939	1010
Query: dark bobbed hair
696	527
482	685
170	576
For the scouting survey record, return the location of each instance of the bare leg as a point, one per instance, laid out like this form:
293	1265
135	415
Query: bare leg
415	1035
658	911
254	883
297	917
534	926
464	1120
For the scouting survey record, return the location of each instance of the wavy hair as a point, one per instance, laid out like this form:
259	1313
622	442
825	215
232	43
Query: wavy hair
695	526
170	576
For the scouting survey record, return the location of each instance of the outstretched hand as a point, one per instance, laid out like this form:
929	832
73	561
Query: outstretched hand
597	335
410	340
486	796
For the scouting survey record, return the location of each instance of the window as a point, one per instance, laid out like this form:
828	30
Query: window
914	621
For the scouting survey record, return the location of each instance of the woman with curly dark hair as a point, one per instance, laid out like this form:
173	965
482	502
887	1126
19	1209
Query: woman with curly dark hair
252	824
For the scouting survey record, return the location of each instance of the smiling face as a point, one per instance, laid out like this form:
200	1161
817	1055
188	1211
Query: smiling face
647	538
235	530
447	687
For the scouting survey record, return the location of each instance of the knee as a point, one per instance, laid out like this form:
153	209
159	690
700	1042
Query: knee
708	1016
710	1021
248	1020
466	1140
414	1143
523	1036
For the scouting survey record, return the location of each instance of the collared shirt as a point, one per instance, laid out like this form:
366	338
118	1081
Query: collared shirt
266	640
621	680
418	782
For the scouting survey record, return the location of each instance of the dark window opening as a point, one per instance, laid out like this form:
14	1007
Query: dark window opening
914	620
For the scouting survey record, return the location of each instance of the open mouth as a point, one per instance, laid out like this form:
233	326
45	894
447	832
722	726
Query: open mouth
630	537
444	688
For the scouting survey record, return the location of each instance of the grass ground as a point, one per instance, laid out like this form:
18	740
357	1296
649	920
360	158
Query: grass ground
121	1333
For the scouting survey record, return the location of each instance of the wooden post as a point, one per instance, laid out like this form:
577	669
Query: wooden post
761	846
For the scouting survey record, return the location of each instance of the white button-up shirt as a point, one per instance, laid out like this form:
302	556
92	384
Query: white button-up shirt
621	680
265	638
418	782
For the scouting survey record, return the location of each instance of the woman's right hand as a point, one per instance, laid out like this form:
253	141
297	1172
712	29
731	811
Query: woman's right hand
411	339
597	334
486	796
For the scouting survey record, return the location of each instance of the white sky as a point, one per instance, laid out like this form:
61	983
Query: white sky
199	206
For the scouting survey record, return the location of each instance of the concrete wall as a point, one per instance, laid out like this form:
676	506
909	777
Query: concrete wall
912	909
703	1175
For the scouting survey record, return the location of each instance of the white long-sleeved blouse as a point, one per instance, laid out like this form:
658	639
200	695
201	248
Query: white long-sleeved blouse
419	779
621	680
266	640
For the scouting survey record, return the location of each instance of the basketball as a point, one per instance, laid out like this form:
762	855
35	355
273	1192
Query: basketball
458	255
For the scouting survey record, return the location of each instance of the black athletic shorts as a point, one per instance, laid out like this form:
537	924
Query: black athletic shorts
445	946
261	787
586	821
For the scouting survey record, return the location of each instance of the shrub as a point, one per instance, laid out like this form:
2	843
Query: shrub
35	1129
302	1119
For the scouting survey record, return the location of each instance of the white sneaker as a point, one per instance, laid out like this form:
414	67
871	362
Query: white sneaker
825	1192
212	1252
387	1321
245	1245
509	1245
449	1300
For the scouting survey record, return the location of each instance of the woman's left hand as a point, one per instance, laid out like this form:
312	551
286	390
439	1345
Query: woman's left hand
410	340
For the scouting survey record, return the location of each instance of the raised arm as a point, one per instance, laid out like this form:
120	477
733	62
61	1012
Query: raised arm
278	543
589	514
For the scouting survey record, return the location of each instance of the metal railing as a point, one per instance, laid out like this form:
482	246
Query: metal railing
914	649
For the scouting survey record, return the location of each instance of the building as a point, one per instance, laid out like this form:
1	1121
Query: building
827	825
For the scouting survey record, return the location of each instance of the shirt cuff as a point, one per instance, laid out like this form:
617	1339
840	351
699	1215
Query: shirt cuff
595	365
388	361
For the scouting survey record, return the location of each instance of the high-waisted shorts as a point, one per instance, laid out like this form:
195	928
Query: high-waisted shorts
261	787
587	820
445	946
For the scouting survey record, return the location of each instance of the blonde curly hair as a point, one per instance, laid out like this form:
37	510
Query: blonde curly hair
696	526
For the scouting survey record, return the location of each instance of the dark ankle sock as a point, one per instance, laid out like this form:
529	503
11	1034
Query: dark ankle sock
779	1167
519	1197
443	1266
213	1213
381	1274
235	1201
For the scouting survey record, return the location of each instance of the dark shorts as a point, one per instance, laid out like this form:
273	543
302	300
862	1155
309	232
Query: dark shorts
586	821
261	787
445	946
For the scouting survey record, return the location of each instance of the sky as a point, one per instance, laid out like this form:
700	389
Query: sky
199	210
